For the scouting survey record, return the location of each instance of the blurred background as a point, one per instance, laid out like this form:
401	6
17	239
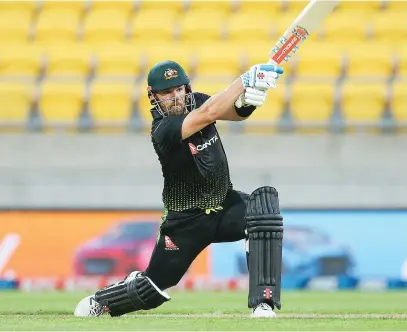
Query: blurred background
80	185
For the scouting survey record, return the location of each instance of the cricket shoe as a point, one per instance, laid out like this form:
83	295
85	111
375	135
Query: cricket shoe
88	307
263	310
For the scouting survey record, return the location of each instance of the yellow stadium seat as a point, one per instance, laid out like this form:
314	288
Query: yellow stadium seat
402	62
177	5
15	26
70	59
295	7
123	6
395	4
151	24
78	5
311	61
360	5
20	60
16	101
61	102
218	60
111	102
399	100
270	7
202	26
257	53
390	26
363	102
311	102
18	5
280	24
57	25
272	109
119	60
243	26
175	51
105	26
372	60
225	6
210	87
345	26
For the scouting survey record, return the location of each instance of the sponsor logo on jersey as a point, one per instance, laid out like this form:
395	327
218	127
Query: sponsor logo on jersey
195	149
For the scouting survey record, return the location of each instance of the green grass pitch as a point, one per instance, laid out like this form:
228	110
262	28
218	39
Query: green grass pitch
212	311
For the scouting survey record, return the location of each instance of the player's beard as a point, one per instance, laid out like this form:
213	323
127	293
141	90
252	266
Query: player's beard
174	106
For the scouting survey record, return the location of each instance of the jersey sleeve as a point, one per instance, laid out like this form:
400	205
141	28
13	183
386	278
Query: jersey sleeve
200	98
167	131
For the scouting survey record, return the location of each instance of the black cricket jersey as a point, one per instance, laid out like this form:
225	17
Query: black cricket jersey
195	170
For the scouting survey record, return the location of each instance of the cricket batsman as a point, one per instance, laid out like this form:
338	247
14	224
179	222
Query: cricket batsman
201	206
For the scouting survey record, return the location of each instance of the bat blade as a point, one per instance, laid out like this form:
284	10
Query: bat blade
305	23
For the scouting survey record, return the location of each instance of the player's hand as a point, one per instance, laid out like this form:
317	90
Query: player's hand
253	97
262	76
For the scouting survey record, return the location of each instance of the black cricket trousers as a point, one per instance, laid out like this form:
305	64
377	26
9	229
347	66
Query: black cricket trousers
183	235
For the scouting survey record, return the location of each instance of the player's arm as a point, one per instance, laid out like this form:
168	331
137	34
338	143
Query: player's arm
222	106
218	107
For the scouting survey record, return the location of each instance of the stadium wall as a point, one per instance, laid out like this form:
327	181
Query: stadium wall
62	171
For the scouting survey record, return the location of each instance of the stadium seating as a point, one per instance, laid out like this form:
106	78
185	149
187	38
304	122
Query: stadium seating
341	26
118	60
209	87
69	60
111	102
60	103
363	5
272	110
399	101
54	25
390	26
225	7
15	25
176	51
76	6
358	54
201	26
123	6
218	60
376	60
15	103
311	62
20	60
311	103
104	26
254	6
177	5
241	27
151	24
363	103
395	5
402	63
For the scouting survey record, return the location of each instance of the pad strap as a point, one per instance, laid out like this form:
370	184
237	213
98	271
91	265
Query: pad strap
139	293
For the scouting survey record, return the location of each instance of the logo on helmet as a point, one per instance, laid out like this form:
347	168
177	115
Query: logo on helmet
170	73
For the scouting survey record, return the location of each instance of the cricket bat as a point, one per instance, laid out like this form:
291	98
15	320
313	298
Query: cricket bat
306	22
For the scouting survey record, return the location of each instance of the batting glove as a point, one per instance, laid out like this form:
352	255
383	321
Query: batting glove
261	76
